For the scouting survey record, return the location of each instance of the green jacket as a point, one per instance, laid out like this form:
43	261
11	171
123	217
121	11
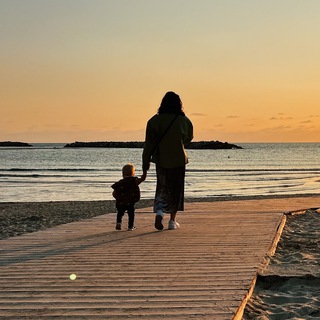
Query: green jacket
170	152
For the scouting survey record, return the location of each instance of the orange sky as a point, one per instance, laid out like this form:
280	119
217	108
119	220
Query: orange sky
246	71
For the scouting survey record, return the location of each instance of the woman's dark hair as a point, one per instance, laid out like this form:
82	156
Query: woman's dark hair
171	103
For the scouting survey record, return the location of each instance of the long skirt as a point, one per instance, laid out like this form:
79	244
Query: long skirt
170	189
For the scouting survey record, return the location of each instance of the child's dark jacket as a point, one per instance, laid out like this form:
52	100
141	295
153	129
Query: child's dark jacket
127	192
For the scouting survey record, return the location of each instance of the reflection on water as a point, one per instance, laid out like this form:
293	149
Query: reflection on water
49	172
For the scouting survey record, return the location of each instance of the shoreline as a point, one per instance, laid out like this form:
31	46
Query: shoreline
17	218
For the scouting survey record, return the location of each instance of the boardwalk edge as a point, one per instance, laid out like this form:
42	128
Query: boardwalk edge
271	251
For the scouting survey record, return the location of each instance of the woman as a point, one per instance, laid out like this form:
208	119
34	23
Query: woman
167	134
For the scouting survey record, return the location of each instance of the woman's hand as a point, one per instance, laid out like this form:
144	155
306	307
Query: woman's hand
144	176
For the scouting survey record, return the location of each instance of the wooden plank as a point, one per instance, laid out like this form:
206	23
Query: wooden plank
204	270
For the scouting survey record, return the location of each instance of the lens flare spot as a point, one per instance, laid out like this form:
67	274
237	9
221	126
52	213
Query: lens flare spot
73	276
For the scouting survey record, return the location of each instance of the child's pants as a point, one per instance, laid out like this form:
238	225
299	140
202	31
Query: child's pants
130	210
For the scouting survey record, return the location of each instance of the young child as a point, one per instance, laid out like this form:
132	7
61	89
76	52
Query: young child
127	193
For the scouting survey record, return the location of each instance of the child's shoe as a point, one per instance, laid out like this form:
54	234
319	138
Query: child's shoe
131	228
118	226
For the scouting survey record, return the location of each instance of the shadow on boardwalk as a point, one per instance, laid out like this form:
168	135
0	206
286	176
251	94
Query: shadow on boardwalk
204	270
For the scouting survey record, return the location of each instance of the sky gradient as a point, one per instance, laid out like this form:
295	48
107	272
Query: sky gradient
96	70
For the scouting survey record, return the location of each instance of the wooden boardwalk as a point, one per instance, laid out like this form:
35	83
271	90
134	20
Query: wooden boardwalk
204	270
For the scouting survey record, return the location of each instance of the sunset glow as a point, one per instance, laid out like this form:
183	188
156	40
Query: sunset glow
246	71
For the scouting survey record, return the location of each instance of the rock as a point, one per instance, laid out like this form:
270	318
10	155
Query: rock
105	144
14	144
212	145
33	218
139	144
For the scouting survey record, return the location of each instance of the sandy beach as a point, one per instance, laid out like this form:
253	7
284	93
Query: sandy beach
289	287
18	218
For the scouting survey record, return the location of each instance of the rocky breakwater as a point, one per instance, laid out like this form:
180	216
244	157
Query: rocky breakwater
14	144
139	144
212	145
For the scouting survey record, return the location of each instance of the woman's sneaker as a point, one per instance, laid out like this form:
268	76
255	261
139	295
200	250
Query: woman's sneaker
173	225
131	228
158	222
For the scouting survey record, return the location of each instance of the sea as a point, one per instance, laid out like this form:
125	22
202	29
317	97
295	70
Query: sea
50	172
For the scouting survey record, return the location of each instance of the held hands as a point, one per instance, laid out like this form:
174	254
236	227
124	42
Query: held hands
144	176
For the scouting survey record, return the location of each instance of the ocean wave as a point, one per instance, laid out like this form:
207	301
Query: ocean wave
84	182
36	175
66	175
52	169
263	171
